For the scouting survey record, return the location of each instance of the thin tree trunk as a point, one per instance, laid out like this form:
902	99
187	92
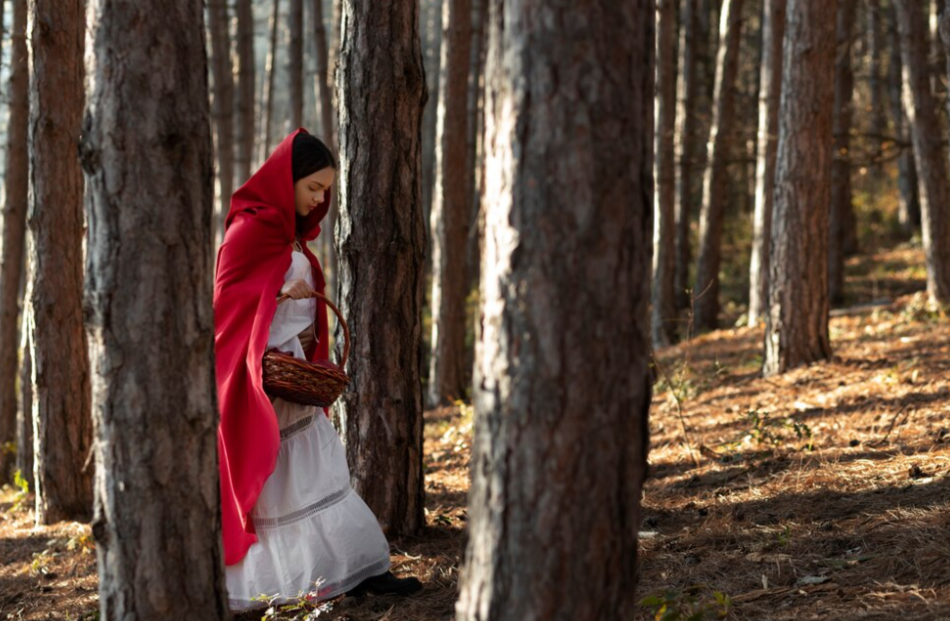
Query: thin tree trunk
475	147
716	178
876	84
929	149
267	112
450	209
555	436
687	140
245	90
148	303
295	19
24	438
663	308
909	197
770	93
16	184
842	210
63	419
323	85
223	108
797	322
381	92
433	53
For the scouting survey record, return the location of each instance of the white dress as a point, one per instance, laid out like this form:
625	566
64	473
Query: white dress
311	525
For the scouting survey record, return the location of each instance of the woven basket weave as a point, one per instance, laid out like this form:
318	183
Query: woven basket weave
303	382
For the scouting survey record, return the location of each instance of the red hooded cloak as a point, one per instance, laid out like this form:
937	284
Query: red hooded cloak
254	256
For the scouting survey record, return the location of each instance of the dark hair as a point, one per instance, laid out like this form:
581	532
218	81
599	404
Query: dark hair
309	156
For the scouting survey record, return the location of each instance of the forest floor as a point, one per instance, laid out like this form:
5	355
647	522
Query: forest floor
820	494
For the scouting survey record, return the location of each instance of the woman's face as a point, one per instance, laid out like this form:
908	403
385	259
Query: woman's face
311	190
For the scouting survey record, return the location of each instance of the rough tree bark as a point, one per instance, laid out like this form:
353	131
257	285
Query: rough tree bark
450	209
770	93
245	90
381	236
147	155
876	84
555	434
222	109
24	423
716	178
61	398
662	304
267	106
842	210
295	74
688	148
929	150
908	212
16	184
797	322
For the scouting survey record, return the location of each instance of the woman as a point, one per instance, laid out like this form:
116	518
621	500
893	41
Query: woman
290	520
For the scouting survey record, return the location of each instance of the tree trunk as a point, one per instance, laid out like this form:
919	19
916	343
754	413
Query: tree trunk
909	198
16	184
432	13
63	420
555	435
450	209
148	303
716	178
929	148
295	74
662	304
267	111
687	140
222	109
323	83
475	126
842	210
770	94
381	236
245	89
797	321
876	46
24	438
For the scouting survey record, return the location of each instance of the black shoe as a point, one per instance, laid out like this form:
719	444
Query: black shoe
386	584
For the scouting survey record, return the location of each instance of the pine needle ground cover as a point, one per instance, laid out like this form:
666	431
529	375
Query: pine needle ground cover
820	494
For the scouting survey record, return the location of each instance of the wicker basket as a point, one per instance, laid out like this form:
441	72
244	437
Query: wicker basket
303	382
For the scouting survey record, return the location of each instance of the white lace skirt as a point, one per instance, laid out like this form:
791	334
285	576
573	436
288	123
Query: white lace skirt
311	526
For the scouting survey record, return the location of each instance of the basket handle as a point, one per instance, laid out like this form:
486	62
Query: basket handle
339	316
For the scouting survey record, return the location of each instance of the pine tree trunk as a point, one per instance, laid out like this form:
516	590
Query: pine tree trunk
716	178
295	18
148	304
267	108
450	209
327	123
876	45
24	424
222	109
63	419
770	93
662	305
381	236
909	198
475	160
432	14
555	435
245	90
687	140
929	148
842	210
16	184
797	321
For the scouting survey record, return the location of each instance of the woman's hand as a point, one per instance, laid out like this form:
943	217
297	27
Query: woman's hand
296	289
307	340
